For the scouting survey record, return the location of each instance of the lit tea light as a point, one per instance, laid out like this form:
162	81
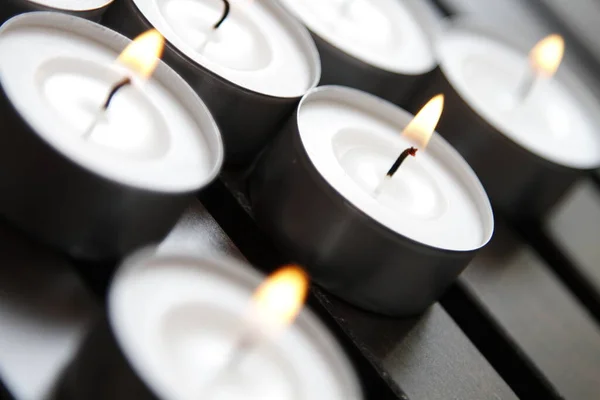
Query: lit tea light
379	46
89	9
141	57
391	247
250	60
279	300
528	136
120	165
544	60
191	328
420	130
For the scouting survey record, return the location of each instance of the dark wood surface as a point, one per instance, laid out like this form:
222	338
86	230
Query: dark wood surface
575	228
427	357
540	317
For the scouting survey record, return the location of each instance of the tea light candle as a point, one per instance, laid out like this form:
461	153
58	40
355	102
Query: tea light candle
394	252
178	323
90	9
379	46
252	70
128	182
529	149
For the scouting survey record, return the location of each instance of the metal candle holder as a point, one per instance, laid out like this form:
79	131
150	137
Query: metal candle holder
102	368
341	68
10	8
519	183
345	250
247	119
64	204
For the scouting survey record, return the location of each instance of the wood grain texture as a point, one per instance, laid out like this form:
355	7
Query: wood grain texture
538	315
427	357
574	227
45	311
422	358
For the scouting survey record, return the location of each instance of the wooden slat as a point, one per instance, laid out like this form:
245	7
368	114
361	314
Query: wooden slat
44	313
538	315
569	240
427	357
575	227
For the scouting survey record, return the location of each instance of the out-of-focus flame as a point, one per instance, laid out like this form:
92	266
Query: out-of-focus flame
241	4
421	128
547	54
278	300
142	55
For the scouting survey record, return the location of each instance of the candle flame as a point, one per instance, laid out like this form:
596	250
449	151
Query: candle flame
547	54
243	3
279	299
422	126
143	53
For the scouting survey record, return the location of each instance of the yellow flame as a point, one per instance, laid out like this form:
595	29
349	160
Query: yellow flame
143	54
242	3
279	299
422	126
547	54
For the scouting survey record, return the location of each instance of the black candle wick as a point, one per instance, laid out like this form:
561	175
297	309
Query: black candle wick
412	151
113	91
226	10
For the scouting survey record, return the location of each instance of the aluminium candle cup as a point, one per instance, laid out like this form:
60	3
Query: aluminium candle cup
184	334
381	259
392	73
89	200
89	9
248	116
519	178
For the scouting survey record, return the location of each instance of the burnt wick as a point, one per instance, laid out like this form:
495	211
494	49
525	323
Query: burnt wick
115	89
412	151
109	98
226	11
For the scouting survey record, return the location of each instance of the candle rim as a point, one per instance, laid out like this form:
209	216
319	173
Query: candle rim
243	275
186	99
366	62
565	76
301	34
484	208
76	6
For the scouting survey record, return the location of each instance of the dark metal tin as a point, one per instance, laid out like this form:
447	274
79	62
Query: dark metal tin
10	8
55	200
247	119
102	368
341	68
519	183
101	371
345	250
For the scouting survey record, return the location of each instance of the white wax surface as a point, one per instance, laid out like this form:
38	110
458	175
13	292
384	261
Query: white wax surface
178	322
560	119
384	33
256	47
75	5
435	198
57	79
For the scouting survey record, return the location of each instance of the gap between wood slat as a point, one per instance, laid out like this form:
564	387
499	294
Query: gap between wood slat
561	266
260	251
518	373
